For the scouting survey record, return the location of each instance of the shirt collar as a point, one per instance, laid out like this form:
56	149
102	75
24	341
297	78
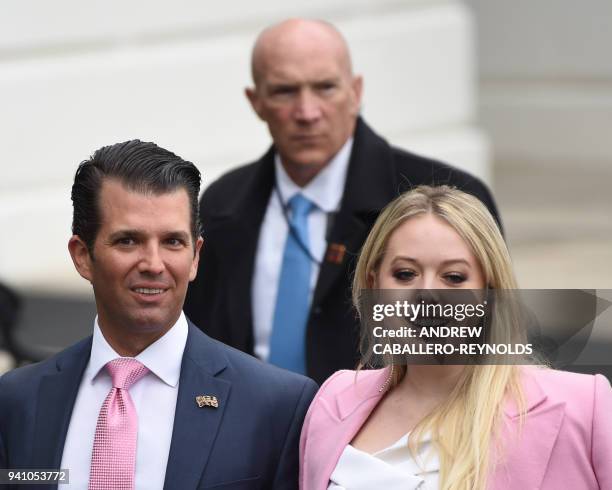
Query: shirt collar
163	357
326	189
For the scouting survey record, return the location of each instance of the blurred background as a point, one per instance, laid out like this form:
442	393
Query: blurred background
519	93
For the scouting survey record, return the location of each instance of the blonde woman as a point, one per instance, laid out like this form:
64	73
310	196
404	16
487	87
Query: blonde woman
445	426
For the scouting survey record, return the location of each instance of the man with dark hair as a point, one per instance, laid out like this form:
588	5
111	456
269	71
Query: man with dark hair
149	401
141	167
282	232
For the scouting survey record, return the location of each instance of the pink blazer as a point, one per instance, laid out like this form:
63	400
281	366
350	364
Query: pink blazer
566	442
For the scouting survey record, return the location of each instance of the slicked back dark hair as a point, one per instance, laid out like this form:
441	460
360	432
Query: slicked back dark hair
140	167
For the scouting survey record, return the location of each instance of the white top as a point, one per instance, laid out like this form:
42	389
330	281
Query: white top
325	191
154	397
392	468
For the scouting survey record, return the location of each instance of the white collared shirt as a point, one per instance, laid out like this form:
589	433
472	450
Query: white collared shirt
154	398
325	191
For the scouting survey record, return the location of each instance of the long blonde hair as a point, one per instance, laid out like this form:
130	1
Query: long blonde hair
462	426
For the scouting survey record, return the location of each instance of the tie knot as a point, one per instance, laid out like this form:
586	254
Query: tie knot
125	371
300	205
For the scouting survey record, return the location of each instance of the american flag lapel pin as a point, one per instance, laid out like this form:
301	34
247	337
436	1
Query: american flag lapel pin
207	401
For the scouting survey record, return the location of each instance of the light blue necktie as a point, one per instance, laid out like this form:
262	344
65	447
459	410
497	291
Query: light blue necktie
287	342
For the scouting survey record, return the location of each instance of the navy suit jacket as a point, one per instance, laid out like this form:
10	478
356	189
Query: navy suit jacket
249	442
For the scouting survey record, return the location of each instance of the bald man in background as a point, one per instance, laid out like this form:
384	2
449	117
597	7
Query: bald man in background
282	233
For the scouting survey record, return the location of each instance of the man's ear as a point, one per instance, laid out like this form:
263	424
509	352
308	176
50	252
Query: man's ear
80	257
193	272
255	100
357	86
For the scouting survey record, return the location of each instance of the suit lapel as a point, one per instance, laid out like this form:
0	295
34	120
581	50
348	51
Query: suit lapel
241	234
349	231
370	185
344	414
526	449
195	428
56	396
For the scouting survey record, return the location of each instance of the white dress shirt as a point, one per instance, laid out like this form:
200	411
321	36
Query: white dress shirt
325	191
392	468
154	398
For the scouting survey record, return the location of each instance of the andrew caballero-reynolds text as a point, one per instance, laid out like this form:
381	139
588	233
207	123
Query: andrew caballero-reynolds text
432	322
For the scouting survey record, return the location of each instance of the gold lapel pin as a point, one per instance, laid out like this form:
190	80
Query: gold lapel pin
207	401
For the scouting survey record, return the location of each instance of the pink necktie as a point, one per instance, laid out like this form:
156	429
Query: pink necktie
114	450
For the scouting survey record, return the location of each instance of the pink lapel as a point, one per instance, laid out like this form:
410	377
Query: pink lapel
342	415
526	450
